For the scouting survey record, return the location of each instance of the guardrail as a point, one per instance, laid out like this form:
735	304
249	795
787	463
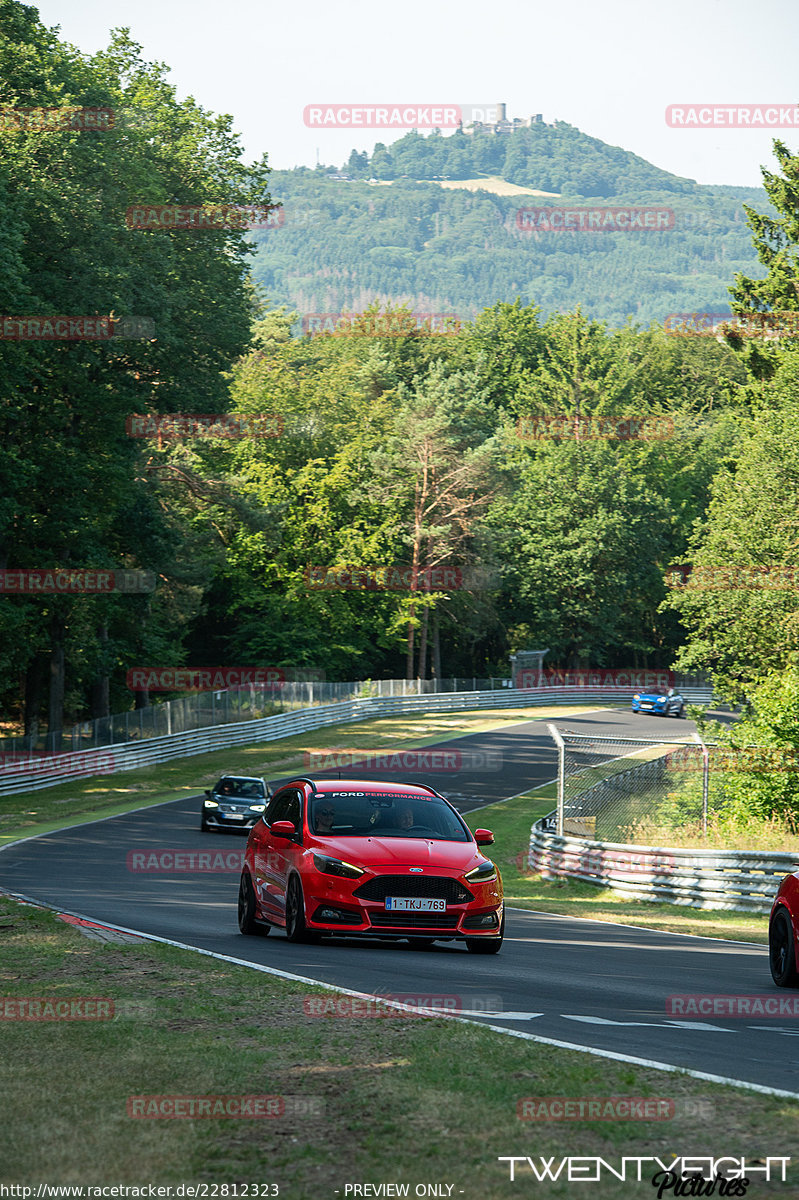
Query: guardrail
744	881
36	773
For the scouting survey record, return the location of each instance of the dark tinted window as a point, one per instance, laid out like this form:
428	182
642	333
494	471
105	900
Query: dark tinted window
240	789
285	806
384	814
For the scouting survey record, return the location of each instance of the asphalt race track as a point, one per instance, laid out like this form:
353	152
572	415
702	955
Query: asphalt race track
585	983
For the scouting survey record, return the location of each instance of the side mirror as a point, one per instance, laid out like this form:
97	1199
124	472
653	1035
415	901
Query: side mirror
483	837
284	829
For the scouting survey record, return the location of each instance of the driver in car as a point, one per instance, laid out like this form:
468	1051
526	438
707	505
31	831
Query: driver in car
324	817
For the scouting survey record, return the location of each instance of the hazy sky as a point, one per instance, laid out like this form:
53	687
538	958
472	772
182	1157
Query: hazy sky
609	68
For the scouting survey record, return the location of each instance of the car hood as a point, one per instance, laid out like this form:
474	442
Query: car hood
379	853
654	696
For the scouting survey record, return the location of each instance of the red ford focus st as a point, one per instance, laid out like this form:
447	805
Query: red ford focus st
385	860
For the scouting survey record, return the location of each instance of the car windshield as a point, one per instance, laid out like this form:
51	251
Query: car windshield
240	789
384	814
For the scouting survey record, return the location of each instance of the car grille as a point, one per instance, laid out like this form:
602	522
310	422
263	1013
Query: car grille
424	887
415	920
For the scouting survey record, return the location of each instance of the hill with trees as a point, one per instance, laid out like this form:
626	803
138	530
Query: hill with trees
402	238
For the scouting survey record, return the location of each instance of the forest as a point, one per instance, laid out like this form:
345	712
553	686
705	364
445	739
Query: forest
367	504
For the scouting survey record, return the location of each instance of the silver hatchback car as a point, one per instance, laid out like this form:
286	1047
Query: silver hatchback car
234	802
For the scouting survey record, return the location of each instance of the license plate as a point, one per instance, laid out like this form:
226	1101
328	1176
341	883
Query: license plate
645	706
406	904
235	816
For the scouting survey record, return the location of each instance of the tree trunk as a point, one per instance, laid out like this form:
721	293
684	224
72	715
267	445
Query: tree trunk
423	644
34	680
411	640
100	697
436	648
55	717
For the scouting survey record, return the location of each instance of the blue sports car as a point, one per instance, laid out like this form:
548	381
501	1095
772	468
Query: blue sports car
663	704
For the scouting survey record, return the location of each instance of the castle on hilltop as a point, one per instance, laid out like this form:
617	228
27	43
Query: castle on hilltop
503	124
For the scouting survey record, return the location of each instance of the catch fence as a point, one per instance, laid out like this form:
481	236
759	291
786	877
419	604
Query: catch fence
636	790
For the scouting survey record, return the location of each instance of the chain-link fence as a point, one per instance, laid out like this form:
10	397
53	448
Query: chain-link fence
638	790
206	709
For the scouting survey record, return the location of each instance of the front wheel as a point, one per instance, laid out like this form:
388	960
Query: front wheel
487	945
296	929
781	954
247	922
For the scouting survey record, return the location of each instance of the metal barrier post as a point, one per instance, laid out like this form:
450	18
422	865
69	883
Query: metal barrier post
561	745
705	780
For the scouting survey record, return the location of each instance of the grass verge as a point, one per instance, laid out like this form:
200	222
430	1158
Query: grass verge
415	1100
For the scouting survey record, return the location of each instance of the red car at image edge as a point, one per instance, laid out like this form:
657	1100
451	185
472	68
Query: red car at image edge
782	928
373	859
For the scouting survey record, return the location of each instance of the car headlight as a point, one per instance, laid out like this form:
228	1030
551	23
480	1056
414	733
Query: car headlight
210	804
336	866
257	807
482	874
637	697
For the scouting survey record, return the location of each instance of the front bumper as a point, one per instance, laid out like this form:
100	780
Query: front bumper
216	817
334	908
